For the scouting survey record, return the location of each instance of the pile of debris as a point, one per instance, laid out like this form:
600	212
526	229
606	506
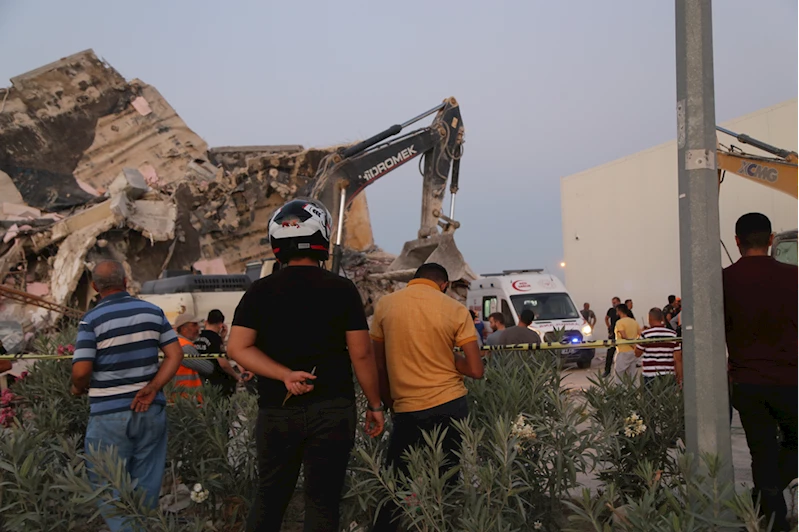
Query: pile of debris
93	166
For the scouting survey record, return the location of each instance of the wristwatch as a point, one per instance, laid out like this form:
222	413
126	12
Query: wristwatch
380	408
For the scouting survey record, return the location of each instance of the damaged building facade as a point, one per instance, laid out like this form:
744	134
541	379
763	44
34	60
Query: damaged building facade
93	166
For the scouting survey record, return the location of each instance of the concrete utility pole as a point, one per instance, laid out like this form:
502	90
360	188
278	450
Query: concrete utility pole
706	401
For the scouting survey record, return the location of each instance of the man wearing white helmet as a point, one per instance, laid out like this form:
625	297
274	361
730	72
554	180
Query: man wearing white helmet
303	330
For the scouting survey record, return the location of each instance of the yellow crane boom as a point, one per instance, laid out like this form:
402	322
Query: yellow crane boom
778	172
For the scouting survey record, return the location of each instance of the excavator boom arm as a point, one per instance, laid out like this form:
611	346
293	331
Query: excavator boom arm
772	173
357	173
778	172
351	170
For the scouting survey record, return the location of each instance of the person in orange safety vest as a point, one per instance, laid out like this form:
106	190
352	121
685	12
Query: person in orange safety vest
191	371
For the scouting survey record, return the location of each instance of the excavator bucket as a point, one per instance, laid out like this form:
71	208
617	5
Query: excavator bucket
440	249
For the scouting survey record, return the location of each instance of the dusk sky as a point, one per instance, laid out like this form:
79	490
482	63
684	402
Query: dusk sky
546	89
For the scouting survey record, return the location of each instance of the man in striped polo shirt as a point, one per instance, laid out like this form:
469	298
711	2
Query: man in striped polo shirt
116	363
661	359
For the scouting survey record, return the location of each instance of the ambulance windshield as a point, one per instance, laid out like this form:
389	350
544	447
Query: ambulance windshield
547	306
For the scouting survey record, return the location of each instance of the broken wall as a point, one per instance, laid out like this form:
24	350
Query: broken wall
68	128
93	167
232	214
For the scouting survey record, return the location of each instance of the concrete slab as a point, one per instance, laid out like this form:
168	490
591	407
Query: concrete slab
81	219
130	182
154	219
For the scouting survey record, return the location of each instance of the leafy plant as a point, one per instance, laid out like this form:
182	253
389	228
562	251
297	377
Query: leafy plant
524	443
694	500
45	404
212	445
642	424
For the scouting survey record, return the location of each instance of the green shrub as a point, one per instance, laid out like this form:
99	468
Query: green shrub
45	403
524	443
212	445
698	502
644	424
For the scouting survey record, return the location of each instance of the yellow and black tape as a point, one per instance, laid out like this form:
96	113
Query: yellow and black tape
549	346
543	346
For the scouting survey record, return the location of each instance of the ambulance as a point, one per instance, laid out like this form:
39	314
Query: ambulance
512	291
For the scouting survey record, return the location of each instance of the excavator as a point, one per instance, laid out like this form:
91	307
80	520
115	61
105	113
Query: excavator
340	177
778	173
344	174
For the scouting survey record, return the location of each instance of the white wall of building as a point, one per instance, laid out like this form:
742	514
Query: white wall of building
621	219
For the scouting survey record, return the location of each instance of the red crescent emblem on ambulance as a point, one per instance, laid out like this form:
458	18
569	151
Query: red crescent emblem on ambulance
521	286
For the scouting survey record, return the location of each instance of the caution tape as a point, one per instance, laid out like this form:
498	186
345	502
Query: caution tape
543	346
36	356
565	344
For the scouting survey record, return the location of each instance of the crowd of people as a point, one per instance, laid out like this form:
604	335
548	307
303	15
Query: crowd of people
653	359
305	345
412	373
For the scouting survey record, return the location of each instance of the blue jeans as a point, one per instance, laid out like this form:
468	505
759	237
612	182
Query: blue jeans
140	440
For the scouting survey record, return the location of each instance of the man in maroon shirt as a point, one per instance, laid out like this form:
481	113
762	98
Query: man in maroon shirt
760	316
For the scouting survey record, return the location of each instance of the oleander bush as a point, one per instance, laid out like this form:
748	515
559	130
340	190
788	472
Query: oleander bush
645	424
529	445
524	443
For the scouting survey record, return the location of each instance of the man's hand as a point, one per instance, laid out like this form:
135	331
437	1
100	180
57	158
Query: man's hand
144	399
295	382
74	390
246	376
375	421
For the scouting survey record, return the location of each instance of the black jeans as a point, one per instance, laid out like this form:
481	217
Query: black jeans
766	410
318	436
407	432
609	358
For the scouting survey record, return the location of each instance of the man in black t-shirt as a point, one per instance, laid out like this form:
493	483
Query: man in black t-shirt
211	342
302	330
610	322
669	311
629	304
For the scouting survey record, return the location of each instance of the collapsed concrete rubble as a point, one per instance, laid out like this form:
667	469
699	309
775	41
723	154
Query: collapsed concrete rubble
93	166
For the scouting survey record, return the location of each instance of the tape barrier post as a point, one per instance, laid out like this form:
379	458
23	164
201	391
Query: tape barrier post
543	346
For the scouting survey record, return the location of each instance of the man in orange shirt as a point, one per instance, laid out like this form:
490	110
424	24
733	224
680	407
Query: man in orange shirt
421	377
192	370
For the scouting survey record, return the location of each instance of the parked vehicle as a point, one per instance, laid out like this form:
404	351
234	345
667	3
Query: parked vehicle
784	247
512	291
197	294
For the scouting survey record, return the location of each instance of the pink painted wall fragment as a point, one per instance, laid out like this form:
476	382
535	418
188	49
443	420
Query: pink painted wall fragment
149	174
12	232
87	187
211	267
38	289
141	105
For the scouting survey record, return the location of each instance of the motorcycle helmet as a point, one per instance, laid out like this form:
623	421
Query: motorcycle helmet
300	228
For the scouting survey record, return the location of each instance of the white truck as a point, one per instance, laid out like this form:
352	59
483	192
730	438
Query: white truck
512	291
178	292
